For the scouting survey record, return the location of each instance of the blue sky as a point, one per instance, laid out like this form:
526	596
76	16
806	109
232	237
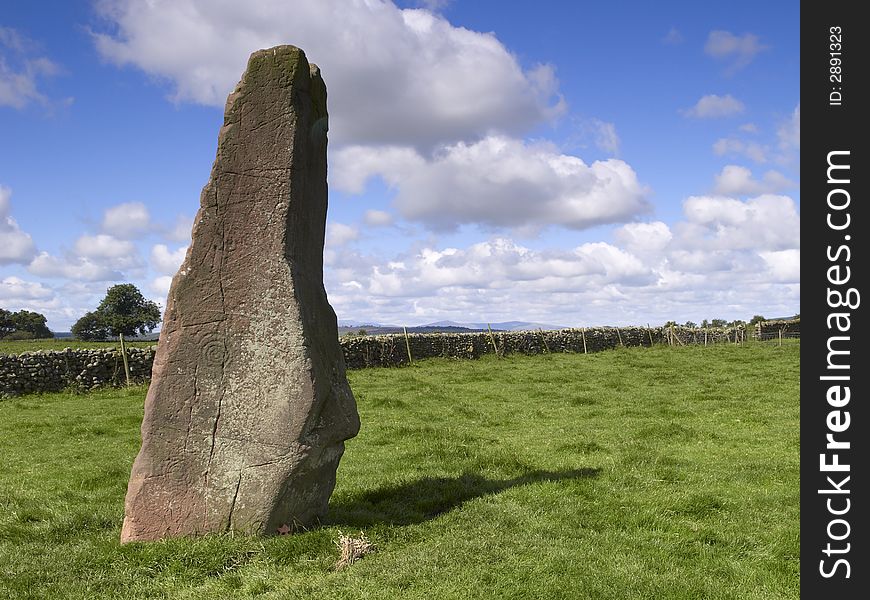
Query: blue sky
562	162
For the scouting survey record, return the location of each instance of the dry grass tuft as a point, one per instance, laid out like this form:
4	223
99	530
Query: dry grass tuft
352	549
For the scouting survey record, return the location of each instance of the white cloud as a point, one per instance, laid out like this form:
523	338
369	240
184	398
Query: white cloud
107	248
128	220
497	182
733	146
16	246
712	106
20	70
180	231
15	290
749	128
784	265
165	261
735	180
644	239
728	258
377	218
80	269
766	222
395	76
740	50
339	234
160	286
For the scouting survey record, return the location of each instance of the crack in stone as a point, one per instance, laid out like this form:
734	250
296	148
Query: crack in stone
233	503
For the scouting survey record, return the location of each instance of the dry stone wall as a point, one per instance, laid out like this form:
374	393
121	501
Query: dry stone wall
772	329
80	369
48	371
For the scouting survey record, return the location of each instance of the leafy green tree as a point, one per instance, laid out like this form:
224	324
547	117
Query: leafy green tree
690	324
31	322
705	323
718	323
90	328
125	310
6	325
755	319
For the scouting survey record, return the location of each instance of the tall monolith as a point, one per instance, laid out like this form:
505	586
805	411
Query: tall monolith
249	405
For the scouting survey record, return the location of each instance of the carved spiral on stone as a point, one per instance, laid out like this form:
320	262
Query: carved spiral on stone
213	349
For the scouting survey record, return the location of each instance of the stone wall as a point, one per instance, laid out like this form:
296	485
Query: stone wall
84	369
80	369
789	328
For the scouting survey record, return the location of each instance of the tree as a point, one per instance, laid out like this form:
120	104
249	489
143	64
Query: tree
31	322
6	326
690	324
124	310
90	328
718	323
755	319
25	324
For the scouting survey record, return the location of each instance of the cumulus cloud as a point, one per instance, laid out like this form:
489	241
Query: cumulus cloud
21	69
739	50
126	221
732	257
735	180
165	261
16	246
99	257
712	106
339	234
395	76
644	239
79	269
160	286
103	246
180	230
16	290
497	182
500	264
784	265
766	222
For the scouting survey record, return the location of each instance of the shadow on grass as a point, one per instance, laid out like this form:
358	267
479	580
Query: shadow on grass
428	497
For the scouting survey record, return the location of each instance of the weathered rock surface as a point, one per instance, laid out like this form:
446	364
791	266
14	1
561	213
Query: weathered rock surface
249	406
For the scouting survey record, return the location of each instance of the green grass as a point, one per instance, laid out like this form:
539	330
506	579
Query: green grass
636	473
19	346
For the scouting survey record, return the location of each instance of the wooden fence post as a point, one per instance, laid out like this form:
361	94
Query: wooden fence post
649	331
583	333
492	339
544	340
408	345
124	356
620	337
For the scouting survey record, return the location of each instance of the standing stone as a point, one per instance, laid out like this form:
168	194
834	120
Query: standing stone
249	406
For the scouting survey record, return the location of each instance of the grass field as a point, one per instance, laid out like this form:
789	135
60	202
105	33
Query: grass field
635	473
19	346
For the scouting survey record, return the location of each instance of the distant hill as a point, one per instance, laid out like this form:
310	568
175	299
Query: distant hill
351	327
502	326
